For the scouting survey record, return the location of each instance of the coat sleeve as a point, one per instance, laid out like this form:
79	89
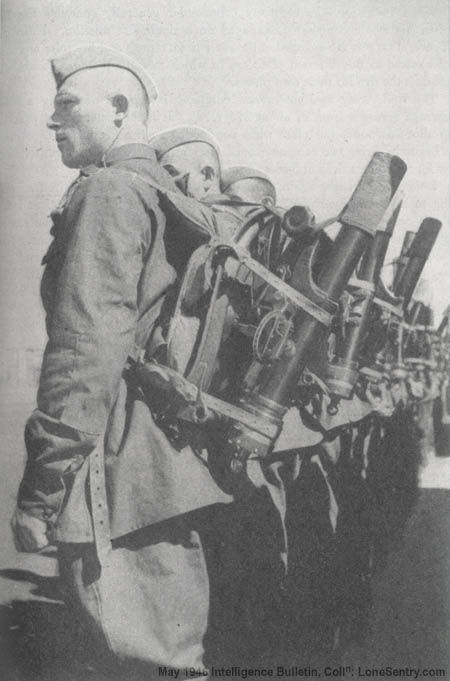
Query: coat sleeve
91	332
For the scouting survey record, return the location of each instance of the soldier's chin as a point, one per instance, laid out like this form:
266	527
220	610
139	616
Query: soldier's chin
70	160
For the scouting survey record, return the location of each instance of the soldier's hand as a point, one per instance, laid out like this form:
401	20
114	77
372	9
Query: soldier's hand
30	533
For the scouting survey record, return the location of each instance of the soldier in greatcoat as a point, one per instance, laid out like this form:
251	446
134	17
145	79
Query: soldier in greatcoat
102	480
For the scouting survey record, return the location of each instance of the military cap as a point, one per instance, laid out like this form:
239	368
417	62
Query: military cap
238	173
91	56
177	137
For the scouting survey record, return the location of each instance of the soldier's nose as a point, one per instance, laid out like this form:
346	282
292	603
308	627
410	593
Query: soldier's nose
182	183
52	124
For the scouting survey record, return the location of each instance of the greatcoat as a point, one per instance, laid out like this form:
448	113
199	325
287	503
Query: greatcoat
98	467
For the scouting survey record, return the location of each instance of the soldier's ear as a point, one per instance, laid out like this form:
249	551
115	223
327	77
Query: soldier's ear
209	174
120	104
267	201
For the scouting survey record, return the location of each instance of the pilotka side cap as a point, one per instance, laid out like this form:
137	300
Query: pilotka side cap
91	56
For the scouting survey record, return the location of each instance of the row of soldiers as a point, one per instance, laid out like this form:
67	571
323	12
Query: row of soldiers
361	437
225	440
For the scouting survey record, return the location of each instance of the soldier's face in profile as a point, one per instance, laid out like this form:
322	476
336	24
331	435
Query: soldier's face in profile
253	189
83	120
192	167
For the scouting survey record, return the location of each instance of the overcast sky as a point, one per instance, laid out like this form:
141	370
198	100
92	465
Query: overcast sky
305	89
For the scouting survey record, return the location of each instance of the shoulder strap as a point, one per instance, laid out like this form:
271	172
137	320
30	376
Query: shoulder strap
183	207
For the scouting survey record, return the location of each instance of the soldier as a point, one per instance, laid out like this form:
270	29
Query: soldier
249	184
191	155
101	479
250	187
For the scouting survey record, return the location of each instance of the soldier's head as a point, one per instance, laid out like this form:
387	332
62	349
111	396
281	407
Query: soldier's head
192	156
248	184
102	97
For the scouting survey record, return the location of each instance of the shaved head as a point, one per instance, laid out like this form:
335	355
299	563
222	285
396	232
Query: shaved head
109	82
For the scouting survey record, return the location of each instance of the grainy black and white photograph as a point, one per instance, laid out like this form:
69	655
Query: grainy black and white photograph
225	345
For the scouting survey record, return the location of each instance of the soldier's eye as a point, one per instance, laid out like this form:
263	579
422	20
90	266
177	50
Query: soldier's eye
65	102
171	170
208	172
